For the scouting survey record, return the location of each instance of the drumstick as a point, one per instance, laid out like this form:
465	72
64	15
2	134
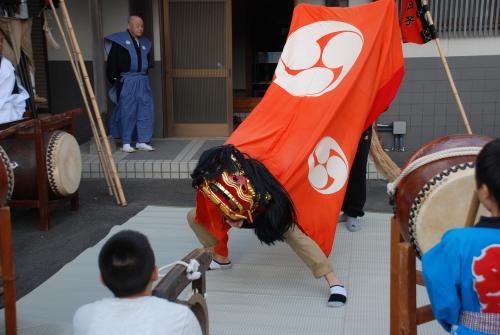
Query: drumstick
472	212
121	196
74	65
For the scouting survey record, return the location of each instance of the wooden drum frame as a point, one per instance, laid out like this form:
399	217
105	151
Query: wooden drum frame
405	316
36	131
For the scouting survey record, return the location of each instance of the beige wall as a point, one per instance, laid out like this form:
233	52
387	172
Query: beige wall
79	12
114	16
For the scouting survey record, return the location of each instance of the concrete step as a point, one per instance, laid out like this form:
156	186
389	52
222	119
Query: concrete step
173	158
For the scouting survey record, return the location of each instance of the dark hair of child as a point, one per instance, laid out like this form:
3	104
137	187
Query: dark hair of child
126	262
488	168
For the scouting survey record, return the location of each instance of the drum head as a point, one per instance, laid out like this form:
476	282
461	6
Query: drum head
64	163
442	204
6	178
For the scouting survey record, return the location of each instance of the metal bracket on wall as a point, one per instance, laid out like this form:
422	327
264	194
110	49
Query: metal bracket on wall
398	130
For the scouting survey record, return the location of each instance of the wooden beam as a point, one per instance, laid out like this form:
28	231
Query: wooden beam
394	285
424	314
407	290
9	293
245	104
419	278
175	281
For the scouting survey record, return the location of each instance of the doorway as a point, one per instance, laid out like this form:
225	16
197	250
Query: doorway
197	67
260	29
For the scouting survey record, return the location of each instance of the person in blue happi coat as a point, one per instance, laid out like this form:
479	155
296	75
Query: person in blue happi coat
462	272
127	70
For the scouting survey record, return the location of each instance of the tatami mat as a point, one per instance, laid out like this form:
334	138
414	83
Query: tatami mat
268	290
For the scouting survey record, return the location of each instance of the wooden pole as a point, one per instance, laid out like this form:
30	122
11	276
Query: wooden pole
102	157
121	196
104	161
405	316
8	277
407	290
424	314
394	283
448	73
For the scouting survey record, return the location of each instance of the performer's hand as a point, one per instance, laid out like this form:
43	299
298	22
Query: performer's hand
234	224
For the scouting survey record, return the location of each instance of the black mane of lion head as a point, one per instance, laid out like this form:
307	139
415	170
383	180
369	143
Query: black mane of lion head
244	189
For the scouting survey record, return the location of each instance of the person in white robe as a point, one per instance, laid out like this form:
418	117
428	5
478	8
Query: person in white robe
13	96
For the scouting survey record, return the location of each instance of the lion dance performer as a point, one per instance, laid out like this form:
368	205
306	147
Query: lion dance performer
283	171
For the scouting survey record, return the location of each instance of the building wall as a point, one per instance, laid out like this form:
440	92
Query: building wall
65	93
424	101
81	23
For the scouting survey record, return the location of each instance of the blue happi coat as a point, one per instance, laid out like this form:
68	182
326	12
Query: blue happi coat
462	274
133	116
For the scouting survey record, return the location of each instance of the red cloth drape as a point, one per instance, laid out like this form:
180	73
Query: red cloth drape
339	70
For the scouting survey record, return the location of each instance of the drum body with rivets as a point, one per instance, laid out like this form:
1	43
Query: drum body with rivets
63	160
436	196
6	178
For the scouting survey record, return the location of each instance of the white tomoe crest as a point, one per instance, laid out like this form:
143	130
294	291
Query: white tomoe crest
328	166
302	53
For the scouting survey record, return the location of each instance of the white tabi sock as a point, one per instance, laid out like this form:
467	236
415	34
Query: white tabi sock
338	296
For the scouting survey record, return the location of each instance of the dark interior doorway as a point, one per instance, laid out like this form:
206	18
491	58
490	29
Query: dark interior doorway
260	29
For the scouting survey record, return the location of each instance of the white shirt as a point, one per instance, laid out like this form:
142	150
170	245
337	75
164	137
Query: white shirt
127	316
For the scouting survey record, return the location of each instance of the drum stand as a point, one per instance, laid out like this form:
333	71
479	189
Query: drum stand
7	270
405	315
45	205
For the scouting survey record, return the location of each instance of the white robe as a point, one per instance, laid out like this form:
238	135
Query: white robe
12	106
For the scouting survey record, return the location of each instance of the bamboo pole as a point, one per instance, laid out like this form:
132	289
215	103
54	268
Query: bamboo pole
474	204
121	196
76	71
105	163
428	16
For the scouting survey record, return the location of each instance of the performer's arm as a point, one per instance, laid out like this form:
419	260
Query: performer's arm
442	279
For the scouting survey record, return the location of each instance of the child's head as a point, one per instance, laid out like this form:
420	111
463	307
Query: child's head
127	263
488	175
